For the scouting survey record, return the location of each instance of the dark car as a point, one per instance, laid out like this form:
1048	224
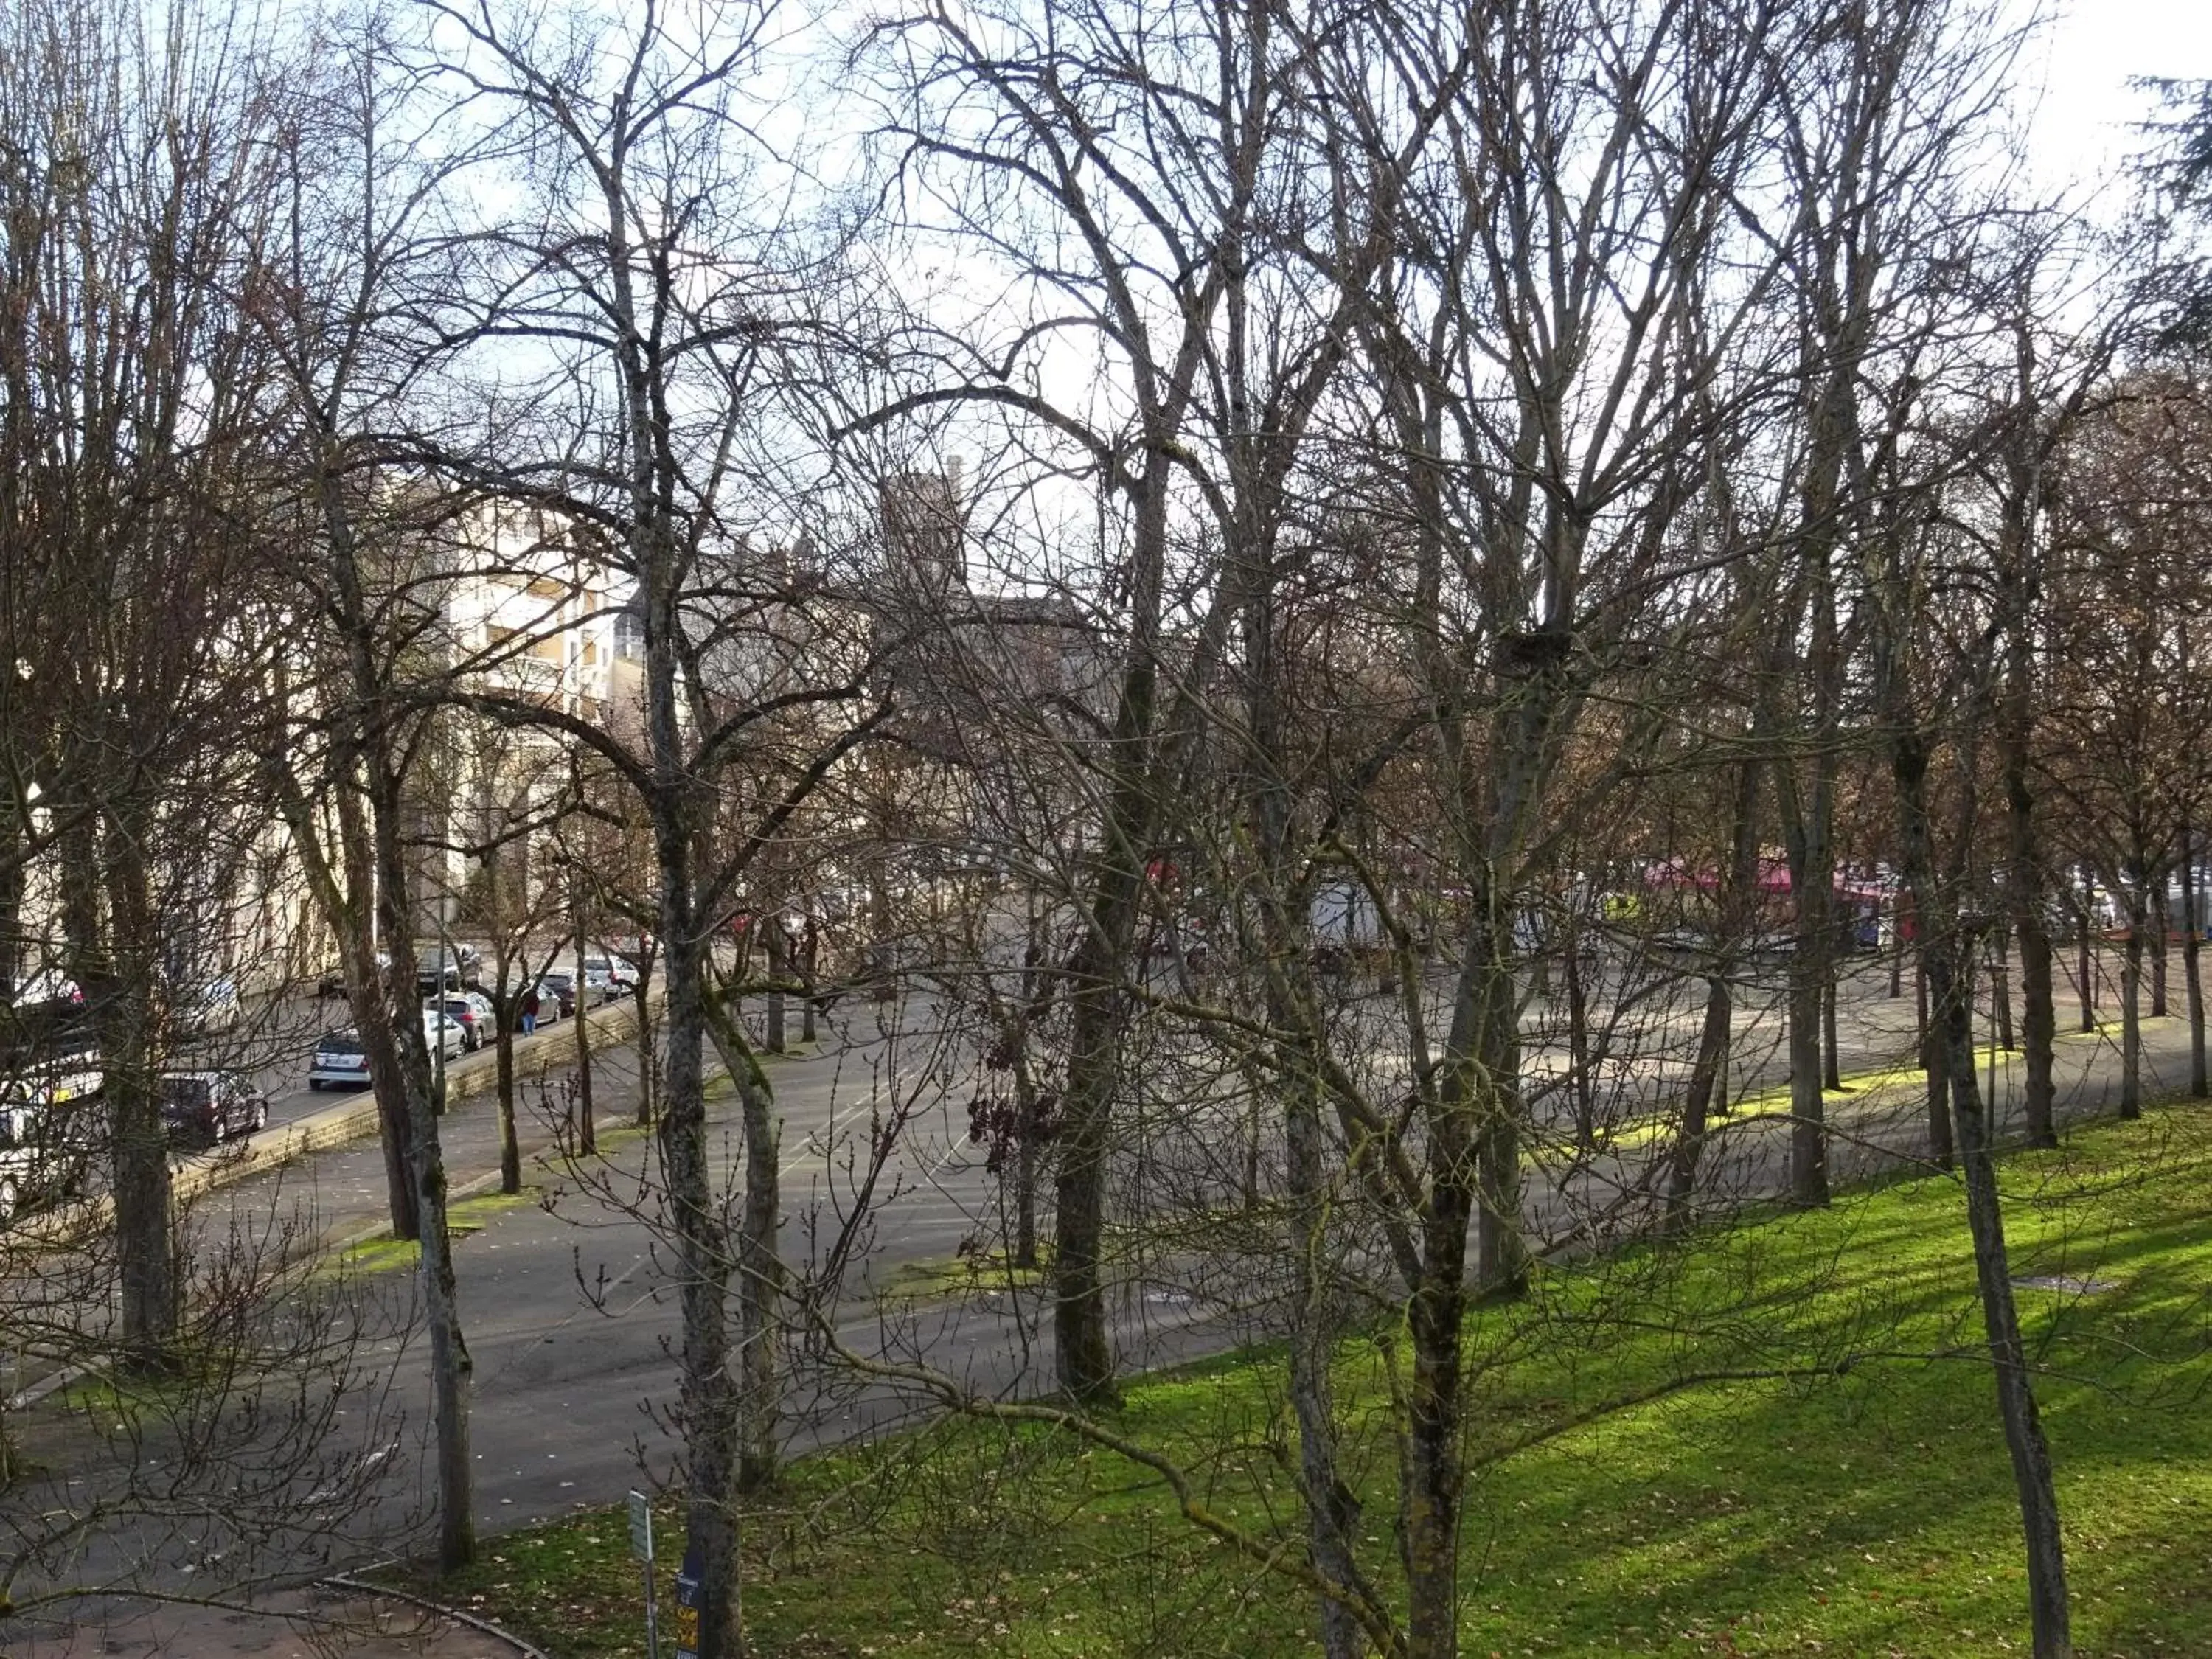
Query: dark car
466	1014
207	1108
456	962
332	983
426	978
562	986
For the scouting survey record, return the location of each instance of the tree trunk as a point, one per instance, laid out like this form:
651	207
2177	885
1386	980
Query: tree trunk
760	1284
1950	991
1579	1049
1809	1126
809	960
2132	978
1832	1059
1084	1350
779	962
452	1373
761	1273
2192	975
1029	1130
2032	1481
348	909
2026	884
120	988
588	1128
2001	992
1430	1484
1689	1139
2155	944
1082	1346
510	1149
648	1059
2085	977
1332	1510
707	1401
1501	1249
409	1074
1935	1063
2039	1030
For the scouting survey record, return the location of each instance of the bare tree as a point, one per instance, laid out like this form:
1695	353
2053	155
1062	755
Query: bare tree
132	420
645	248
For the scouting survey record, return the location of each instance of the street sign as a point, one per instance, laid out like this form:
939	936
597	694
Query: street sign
687	1607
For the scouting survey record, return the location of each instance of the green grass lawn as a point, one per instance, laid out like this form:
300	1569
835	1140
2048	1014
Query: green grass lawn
1813	1465
464	1217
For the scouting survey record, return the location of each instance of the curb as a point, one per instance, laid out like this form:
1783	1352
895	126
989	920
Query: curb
354	1586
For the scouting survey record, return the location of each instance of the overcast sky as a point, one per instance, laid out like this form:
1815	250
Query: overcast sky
2080	128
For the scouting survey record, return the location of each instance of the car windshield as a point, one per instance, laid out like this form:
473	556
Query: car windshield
184	1090
339	1042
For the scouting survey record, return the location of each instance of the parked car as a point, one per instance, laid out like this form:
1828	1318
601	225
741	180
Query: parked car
332	983
64	1066
459	963
426	976
474	1025
440	1028
46	1154
340	1062
556	990
209	1108
609	977
487	1014
49	989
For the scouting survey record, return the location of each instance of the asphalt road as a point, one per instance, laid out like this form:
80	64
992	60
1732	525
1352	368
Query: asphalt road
566	1301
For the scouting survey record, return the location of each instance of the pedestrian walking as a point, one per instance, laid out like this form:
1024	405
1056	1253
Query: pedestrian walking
530	1011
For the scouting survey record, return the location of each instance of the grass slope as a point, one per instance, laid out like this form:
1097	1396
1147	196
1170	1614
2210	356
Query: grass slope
1780	1440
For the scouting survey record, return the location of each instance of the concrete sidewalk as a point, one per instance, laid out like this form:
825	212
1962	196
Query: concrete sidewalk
315	1623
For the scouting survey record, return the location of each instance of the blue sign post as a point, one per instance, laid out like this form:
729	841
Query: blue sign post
687	1605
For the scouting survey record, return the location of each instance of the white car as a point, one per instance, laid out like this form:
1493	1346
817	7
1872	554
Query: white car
609	976
439	1028
340	1062
71	1070
49	985
44	1155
